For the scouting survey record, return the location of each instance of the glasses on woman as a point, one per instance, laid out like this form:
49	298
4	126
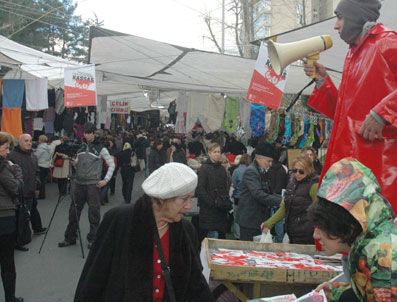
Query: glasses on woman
300	171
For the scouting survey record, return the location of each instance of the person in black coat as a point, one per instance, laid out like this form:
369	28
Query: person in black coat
212	184
257	197
124	263
155	161
127	172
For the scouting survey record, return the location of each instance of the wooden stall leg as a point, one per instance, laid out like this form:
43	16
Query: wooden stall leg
257	290
238	293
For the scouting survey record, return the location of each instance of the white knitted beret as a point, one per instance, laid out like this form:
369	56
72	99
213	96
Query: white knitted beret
170	180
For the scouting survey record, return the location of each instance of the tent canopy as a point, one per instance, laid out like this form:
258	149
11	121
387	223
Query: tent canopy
127	64
28	63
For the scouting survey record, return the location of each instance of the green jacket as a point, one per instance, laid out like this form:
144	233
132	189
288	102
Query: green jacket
373	256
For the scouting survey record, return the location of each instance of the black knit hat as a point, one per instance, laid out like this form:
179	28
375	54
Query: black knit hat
355	14
265	149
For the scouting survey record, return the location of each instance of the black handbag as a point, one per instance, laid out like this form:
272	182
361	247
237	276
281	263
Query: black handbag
24	233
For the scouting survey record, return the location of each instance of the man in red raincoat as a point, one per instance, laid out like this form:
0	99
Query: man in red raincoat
364	109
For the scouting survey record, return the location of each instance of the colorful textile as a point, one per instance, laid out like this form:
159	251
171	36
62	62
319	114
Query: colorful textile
13	91
257	120
11	121
288	130
280	260
305	133
36	94
231	118
373	256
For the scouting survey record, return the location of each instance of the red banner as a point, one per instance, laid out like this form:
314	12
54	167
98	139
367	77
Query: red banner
266	87
80	86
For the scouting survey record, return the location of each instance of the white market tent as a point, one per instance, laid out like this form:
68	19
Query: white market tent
127	65
28	63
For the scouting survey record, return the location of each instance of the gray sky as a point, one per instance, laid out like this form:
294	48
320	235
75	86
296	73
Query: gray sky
178	22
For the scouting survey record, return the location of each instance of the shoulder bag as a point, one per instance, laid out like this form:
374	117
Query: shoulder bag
165	268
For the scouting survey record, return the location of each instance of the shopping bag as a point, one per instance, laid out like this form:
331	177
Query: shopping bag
266	238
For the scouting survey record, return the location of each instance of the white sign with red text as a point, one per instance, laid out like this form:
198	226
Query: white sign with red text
80	86
266	87
119	106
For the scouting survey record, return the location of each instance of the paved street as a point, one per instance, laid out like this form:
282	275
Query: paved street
52	276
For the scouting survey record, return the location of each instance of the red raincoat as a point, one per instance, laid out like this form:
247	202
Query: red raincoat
369	82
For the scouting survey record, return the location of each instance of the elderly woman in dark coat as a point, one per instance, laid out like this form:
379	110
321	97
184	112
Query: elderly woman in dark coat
212	184
10	181
124	262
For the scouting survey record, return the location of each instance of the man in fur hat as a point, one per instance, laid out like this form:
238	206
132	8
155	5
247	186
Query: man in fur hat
364	109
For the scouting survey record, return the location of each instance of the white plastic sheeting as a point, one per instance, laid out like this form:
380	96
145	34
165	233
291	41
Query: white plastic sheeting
28	63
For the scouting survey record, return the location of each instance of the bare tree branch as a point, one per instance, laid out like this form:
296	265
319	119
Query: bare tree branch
207	20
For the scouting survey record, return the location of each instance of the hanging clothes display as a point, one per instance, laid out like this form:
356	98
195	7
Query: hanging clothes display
274	127
36	94
304	136
287	129
11	121
181	109
257	120
231	118
310	136
13	91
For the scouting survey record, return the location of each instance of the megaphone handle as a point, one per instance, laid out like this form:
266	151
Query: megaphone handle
311	59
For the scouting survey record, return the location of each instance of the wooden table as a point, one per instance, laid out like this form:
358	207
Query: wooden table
259	276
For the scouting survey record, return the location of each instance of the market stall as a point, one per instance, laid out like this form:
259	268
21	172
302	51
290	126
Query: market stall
286	266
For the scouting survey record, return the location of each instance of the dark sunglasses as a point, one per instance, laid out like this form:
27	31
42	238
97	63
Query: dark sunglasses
300	171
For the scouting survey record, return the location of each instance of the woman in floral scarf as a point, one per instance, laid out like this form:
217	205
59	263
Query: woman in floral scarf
352	217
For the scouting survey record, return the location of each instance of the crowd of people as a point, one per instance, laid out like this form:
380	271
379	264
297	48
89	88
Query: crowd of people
146	250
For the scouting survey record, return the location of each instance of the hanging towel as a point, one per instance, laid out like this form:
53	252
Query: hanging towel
59	104
288	129
181	108
231	118
11	121
257	120
36	94
38	124
13	91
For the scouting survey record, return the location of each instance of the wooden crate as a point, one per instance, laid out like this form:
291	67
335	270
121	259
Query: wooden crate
245	274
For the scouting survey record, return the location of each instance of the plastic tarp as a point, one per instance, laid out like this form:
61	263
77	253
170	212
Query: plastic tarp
129	63
28	63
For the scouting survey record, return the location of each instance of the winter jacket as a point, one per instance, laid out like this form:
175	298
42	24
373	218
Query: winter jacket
89	163
369	82
28	163
212	184
154	161
373	257
297	200
237	180
256	198
44	155
119	267
10	181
